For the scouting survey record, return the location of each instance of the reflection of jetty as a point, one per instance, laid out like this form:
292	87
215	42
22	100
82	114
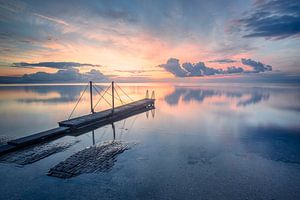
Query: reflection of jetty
78	124
97	158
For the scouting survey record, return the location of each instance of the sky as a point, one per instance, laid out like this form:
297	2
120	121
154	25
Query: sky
143	40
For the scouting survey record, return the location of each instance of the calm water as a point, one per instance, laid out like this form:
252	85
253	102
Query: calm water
202	142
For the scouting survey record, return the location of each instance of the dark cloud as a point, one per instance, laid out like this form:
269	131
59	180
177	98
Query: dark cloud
174	67
275	19
200	69
257	66
67	75
56	65
221	61
234	70
188	69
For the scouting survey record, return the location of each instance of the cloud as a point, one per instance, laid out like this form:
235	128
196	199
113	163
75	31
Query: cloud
62	75
257	66
233	70
221	61
138	71
52	19
275	19
200	69
56	65
174	67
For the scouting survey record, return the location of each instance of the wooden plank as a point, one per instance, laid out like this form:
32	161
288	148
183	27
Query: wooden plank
38	136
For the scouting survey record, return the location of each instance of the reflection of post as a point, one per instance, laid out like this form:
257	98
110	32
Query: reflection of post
113	97
93	137
91	96
153	113
114	130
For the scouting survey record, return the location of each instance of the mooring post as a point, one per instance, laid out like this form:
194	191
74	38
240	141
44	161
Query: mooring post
113	97
91	96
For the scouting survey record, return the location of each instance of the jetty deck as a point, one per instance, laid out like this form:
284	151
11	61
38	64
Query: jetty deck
38	137
110	114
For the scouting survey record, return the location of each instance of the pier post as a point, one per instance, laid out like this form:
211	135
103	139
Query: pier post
113	97
91	96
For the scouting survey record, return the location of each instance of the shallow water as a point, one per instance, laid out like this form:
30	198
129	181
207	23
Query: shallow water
201	142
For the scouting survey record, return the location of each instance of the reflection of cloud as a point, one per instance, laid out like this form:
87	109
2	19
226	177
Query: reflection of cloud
290	108
256	97
66	93
187	95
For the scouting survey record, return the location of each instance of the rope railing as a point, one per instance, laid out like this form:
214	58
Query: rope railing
111	94
102	96
119	96
124	92
78	101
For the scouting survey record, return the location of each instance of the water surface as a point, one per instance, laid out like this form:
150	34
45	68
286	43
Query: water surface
202	142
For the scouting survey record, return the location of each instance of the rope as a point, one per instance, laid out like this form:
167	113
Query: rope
111	95
101	96
119	97
78	101
124	92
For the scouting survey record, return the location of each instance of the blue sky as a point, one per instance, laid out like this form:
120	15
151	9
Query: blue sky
135	39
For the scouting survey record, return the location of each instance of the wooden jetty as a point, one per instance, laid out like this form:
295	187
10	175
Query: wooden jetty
106	115
78	124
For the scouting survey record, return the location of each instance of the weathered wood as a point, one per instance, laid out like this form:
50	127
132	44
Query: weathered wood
38	137
106	114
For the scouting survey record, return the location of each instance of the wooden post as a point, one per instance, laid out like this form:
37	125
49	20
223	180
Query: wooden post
91	96
113	97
